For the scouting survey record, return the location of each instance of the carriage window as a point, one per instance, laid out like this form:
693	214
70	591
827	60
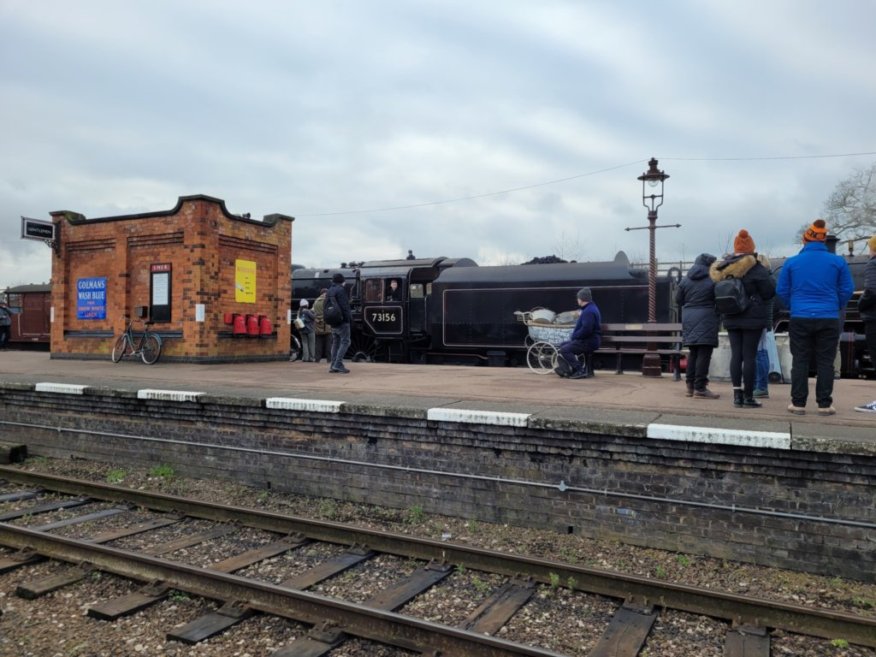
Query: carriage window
373	290
416	291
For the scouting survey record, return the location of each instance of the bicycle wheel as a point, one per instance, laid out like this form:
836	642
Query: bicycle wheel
122	348
151	349
542	357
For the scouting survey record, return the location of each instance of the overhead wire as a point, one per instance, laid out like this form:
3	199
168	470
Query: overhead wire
583	175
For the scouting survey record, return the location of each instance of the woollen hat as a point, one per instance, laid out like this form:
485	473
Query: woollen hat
743	242
817	232
584	294
338	278
872	243
304	303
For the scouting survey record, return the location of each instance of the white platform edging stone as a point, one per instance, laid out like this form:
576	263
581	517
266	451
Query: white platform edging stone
169	395
61	388
738	437
311	405
497	418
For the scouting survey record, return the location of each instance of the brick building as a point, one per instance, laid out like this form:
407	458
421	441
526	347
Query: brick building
192	268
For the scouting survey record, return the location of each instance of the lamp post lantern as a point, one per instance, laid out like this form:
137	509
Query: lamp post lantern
652	198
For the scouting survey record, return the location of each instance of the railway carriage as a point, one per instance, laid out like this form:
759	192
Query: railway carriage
30	307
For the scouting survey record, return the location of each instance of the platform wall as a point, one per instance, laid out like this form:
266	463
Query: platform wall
722	501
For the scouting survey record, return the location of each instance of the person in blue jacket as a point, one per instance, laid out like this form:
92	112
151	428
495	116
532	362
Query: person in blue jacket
815	285
585	338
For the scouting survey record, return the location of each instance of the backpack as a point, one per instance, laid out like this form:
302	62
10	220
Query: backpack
730	296
331	314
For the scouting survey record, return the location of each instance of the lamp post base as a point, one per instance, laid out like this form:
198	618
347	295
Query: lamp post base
651	365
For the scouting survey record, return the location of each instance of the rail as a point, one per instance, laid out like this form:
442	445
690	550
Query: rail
642	590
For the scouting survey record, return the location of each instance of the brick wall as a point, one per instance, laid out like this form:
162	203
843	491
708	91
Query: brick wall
750	504
201	241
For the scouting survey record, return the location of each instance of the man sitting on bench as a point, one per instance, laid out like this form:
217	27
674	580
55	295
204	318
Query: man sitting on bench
585	338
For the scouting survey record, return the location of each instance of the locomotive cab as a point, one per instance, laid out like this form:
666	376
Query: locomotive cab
393	310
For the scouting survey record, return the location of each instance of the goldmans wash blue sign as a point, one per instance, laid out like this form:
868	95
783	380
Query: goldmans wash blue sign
91	298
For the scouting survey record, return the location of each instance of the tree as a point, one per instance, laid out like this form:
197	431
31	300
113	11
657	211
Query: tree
850	210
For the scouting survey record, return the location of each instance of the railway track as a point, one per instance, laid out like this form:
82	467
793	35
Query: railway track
116	530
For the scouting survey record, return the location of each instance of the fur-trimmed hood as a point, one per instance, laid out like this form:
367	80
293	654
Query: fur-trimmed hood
736	266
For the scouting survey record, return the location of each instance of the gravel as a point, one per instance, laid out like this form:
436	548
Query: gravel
564	621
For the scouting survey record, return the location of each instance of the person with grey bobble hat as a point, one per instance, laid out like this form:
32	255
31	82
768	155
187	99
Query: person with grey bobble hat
586	336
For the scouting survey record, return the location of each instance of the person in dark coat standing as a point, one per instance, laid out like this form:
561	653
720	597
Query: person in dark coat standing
867	308
699	325
744	329
340	333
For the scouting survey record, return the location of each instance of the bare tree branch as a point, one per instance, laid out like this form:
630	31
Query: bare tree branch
851	209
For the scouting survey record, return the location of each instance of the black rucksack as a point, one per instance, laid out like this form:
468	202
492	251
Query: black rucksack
331	314
730	296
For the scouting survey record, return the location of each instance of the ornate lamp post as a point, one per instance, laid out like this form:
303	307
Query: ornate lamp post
652	198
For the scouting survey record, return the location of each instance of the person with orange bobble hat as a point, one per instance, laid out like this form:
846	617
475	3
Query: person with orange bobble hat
745	328
815	285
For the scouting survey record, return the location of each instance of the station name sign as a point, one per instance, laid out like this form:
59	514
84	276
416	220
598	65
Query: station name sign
34	229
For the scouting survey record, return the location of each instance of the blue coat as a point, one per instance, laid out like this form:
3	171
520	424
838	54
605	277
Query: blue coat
696	297
815	283
588	328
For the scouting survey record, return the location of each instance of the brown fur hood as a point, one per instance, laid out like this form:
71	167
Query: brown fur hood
736	266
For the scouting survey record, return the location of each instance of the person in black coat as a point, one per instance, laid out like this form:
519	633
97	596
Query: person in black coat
867	308
337	294
699	322
744	329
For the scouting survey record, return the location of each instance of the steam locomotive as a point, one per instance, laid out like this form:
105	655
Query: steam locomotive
454	311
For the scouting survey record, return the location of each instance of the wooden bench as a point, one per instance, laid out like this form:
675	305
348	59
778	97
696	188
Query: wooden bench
640	339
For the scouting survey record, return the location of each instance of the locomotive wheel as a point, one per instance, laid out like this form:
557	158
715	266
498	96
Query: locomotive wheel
363	349
542	357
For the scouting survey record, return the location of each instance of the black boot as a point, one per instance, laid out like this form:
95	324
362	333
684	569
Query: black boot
749	401
690	389
737	397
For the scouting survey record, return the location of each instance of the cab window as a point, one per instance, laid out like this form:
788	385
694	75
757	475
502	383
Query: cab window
373	290
416	291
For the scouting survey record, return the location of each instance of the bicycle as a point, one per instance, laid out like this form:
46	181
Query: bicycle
148	347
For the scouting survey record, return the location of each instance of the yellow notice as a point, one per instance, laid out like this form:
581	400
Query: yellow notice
245	281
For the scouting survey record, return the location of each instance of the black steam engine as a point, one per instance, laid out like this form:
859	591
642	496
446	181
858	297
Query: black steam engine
453	311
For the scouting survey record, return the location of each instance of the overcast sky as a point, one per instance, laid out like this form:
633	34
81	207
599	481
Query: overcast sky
496	130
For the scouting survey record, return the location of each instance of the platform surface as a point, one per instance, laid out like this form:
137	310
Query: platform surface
608	397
